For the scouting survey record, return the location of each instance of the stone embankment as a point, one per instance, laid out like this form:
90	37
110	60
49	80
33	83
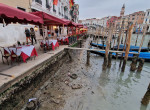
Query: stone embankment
18	94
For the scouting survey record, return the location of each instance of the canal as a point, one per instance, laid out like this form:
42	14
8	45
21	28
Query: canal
98	90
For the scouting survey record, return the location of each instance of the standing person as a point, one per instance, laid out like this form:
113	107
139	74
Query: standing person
41	32
49	33
32	33
27	32
56	31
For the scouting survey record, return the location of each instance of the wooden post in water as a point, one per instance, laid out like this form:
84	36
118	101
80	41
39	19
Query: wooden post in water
133	64
119	38
141	64
127	48
137	36
109	60
146	98
124	45
88	58
107	48
145	29
115	36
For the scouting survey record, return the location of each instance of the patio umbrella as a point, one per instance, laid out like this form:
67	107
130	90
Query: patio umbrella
10	14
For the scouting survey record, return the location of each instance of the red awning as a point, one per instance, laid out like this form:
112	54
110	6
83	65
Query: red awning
49	19
69	23
79	25
10	14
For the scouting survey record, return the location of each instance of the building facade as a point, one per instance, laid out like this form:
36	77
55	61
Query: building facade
147	20
20	4
112	21
12	33
137	17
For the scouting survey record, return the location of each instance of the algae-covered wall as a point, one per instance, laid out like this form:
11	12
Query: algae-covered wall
17	95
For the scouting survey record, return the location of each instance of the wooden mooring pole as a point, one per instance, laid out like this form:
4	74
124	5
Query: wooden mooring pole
109	60
119	38
133	64
105	64
143	37
127	48
124	45
137	36
146	98
141	64
88	58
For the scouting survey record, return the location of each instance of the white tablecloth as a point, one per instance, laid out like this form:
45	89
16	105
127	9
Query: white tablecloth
61	38
49	42
18	50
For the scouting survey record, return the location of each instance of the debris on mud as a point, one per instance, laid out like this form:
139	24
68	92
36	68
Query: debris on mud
76	86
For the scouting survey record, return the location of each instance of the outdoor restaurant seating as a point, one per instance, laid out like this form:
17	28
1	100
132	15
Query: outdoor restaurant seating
23	52
63	40
14	55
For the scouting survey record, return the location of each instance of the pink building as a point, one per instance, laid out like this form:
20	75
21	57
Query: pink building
111	21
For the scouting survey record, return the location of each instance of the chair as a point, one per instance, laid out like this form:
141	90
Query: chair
4	54
41	44
14	55
49	47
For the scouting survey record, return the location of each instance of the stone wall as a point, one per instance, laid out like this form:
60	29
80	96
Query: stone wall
12	33
17	95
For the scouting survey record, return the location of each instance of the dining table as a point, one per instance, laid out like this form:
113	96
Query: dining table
63	39
53	43
25	51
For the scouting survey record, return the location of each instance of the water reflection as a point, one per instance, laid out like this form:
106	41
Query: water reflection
143	107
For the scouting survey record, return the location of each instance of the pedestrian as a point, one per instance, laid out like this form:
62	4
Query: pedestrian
41	32
27	32
49	33
56	31
32	33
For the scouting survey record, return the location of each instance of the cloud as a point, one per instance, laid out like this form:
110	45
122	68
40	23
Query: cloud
102	8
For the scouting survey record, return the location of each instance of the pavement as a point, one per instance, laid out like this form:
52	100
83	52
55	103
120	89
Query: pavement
17	70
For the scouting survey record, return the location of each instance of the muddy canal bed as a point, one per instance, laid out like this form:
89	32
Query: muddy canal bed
93	89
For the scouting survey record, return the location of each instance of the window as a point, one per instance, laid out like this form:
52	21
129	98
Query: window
38	1
47	4
54	8
148	13
23	9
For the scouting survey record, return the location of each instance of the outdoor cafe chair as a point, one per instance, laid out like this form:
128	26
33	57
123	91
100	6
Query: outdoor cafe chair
14	55
4	54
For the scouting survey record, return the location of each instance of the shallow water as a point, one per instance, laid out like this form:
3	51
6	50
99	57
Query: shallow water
101	90
111	89
115	90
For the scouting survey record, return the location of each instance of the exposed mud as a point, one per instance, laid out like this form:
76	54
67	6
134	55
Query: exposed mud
93	89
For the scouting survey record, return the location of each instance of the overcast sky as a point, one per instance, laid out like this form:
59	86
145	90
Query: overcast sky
103	8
